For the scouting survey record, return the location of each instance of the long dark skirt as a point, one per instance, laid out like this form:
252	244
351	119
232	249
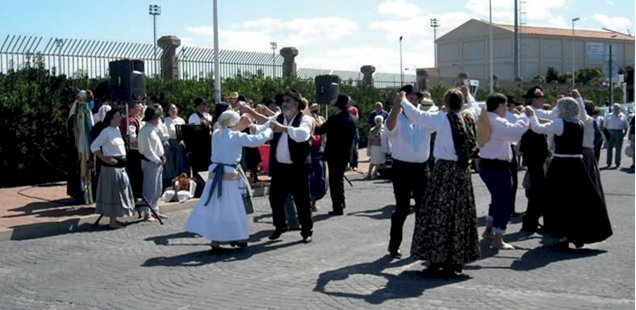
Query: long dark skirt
317	179
446	225
176	159
574	208
591	167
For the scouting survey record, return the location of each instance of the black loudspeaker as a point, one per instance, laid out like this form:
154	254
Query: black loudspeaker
127	80
326	88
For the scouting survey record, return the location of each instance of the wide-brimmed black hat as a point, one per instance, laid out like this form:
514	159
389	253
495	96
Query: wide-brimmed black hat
200	100
342	101
534	92
410	89
296	95
150	114
511	100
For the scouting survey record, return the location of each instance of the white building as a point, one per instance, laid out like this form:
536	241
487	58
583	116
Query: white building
465	49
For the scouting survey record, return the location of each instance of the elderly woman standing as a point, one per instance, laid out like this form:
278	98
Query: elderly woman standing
377	148
446	224
220	214
575	211
114	195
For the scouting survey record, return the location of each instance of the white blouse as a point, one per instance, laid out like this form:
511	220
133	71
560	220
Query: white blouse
150	145
227	146
171	125
110	141
502	134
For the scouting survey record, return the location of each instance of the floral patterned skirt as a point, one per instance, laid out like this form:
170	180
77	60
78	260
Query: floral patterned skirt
446	225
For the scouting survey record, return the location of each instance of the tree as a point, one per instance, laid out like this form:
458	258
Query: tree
552	75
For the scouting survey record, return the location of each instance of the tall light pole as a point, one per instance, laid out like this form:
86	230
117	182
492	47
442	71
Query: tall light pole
217	76
490	69
401	68
274	47
573	55
434	24
611	87
154	10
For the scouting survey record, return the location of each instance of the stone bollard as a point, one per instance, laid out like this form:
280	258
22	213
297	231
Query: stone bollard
367	72
421	78
169	61
289	65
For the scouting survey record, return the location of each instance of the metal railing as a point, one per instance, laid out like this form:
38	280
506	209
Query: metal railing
91	57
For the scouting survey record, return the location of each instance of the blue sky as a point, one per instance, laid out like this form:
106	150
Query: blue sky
329	34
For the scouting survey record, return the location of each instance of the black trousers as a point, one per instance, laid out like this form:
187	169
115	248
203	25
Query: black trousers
135	174
514	169
293	179
535	193
409	179
336	183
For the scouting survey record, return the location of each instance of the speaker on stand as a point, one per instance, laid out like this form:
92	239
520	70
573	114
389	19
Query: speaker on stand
127	80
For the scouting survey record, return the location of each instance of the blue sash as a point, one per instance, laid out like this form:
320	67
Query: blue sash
218	180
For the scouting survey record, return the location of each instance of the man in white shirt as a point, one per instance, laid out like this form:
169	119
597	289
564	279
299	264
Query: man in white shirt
616	124
410	172
290	163
512	114
494	167
152	161
200	116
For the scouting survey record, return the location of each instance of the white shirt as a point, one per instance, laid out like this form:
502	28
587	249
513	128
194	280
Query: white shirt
438	122
410	143
615	122
171	125
162	131
512	117
502	133
227	146
110	141
194	118
302	133
150	145
588	132
554	127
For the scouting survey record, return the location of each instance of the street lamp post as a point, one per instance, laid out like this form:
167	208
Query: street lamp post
490	52
434	24
611	87
573	55
274	47
154	10
401	68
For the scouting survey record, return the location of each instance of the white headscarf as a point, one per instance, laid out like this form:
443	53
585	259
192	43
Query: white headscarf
102	112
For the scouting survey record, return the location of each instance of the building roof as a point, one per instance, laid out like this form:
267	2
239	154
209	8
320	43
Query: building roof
562	32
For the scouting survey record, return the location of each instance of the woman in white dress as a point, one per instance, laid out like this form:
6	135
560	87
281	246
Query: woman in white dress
220	213
377	146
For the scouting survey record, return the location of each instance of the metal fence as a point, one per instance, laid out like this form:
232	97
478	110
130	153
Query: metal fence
91	57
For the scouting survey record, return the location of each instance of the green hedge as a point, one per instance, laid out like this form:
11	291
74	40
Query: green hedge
34	106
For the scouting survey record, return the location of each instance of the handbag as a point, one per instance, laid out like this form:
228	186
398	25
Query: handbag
247	202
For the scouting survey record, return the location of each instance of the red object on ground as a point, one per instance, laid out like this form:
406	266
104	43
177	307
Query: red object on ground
264	164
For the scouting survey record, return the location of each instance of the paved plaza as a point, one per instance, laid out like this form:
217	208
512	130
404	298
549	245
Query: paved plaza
150	266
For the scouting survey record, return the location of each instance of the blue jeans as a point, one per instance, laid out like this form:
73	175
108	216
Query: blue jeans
615	142
499	183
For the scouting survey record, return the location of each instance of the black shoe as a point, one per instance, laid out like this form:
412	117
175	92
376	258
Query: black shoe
335	213
307	239
515	214
216	251
239	244
397	254
276	234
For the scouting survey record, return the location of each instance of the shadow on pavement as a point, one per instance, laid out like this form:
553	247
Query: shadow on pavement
544	255
407	284
377	214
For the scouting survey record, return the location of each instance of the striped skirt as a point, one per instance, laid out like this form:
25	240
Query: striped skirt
114	194
446	225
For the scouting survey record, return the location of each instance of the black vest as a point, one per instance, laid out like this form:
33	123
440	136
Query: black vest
571	141
298	151
534	147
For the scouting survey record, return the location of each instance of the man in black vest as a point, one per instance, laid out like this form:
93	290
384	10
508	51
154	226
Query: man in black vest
534	147
340	130
290	164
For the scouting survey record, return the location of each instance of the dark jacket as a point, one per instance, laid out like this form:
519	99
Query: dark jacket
340	129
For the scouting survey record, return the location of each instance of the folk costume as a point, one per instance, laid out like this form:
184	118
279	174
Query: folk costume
80	123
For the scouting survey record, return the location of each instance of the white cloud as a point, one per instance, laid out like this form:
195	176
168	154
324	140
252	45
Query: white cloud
399	8
620	24
537	12
255	35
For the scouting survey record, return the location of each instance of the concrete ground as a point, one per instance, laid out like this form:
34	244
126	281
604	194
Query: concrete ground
152	266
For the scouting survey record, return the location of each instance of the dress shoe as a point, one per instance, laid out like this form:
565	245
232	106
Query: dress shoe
397	254
515	214
307	239
216	251
335	213
276	234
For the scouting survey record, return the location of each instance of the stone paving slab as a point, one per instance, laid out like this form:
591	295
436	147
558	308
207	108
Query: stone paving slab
150	266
